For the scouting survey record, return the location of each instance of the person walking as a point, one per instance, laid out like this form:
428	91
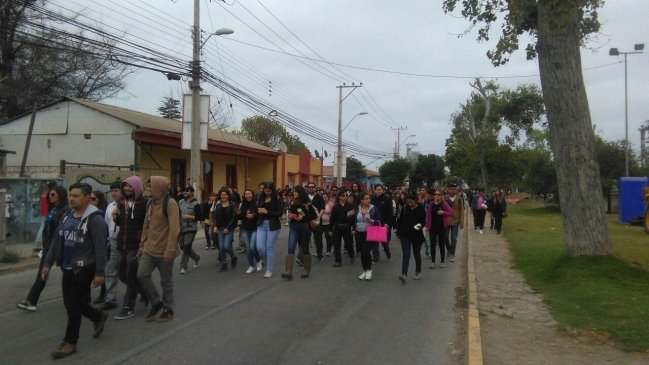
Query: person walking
479	209
129	218
366	215
342	219
58	201
98	199
298	232
79	248
498	206
318	203
159	248
411	222
383	203
436	224
455	222
189	209
45	206
224	217
211	241
269	210
248	228
110	298
325	222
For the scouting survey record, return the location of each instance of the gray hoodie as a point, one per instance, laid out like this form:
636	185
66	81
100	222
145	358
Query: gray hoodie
90	251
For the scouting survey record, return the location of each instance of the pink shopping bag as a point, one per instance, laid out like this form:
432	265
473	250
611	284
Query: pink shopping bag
377	234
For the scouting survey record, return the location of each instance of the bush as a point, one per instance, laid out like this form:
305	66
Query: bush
9	256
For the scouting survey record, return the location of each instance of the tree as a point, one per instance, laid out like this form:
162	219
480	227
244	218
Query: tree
394	172
355	169
427	170
170	108
559	27
39	64
270	133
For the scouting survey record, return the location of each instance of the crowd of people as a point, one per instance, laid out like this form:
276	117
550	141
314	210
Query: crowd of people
145	227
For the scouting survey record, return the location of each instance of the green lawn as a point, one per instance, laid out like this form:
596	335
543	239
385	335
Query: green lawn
605	294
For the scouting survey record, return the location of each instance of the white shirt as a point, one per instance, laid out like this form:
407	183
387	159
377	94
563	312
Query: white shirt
113	230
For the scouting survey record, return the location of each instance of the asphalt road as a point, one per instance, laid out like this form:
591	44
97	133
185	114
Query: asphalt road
234	318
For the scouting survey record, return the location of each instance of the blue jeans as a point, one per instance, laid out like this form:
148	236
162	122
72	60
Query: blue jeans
298	233
250	240
451	240
266	244
406	246
225	245
111	273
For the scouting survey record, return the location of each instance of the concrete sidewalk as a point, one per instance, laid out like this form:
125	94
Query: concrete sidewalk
28	258
516	326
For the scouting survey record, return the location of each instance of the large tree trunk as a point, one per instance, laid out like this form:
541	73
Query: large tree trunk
571	133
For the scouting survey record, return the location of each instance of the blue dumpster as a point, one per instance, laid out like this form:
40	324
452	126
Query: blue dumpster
631	202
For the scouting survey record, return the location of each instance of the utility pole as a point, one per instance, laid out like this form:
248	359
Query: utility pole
339	147
398	146
195	156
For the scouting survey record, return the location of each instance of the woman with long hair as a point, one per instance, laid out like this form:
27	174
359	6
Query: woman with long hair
342	217
498	209
436	223
300	215
411	221
269	210
248	229
224	218
211	241
326	221
58	203
366	216
98	199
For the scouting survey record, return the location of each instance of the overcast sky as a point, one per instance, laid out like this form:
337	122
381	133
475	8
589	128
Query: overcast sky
406	36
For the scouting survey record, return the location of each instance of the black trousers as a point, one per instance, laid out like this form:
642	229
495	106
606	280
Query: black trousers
317	239
478	218
76	297
342	231
207	229
365	248
39	284
437	238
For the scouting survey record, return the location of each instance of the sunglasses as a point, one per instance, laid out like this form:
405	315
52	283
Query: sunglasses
438	194
52	194
93	198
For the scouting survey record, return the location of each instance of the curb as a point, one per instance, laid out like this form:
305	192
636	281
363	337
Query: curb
25	264
473	315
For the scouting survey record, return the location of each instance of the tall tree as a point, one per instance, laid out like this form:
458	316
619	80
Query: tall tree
270	133
170	108
355	169
427	170
394	172
39	64
559	27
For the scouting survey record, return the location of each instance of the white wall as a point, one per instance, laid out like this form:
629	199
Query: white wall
59	135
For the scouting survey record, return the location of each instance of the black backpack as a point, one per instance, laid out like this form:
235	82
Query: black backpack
165	204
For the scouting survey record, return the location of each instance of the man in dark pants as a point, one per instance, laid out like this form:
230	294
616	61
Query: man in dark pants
384	204
79	247
318	203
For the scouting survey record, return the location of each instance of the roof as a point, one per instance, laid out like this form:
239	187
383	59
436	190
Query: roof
371	173
327	171
144	120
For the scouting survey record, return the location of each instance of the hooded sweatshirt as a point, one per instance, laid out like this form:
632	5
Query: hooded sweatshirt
131	215
160	233
86	245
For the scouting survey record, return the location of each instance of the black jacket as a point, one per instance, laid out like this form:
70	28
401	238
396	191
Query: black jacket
384	204
248	207
408	219
339	214
227	214
130	223
274	208
50	230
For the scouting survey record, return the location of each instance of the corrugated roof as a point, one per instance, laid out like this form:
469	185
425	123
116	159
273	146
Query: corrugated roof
154	122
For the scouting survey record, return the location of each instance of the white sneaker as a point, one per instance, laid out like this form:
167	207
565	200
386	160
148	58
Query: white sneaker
368	275
432	265
452	258
183	271
268	274
260	265
363	276
442	265
250	270
481	232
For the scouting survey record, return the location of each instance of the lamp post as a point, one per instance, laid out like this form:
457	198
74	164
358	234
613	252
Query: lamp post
339	153
195	155
637	48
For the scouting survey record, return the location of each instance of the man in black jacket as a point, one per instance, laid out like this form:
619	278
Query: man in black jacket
318	203
384	204
129	217
79	248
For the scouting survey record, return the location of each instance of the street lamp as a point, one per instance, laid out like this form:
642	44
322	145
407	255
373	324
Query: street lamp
196	162
339	156
637	48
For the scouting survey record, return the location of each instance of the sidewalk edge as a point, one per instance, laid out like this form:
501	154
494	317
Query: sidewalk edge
474	338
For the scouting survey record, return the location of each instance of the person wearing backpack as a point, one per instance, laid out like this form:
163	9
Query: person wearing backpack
190	210
79	248
159	248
